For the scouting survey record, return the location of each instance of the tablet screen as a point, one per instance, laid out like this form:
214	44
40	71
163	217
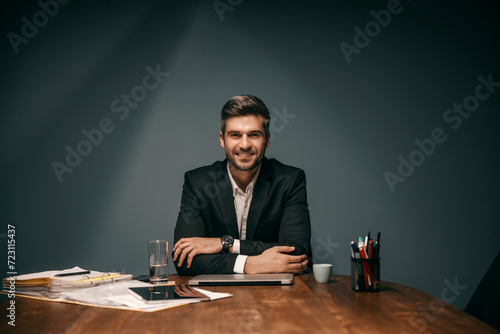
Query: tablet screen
157	294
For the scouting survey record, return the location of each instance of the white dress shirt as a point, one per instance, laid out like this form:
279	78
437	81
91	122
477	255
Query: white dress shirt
242	200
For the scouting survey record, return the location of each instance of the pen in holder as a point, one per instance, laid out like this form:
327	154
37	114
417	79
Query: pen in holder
365	274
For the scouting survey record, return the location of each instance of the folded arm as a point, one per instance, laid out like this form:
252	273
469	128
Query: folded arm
294	222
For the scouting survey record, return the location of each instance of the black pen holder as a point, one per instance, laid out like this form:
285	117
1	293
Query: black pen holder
365	275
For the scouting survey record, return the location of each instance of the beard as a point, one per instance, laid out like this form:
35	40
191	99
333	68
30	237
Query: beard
254	164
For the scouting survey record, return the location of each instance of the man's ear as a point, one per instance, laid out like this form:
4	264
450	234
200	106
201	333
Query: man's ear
221	138
268	139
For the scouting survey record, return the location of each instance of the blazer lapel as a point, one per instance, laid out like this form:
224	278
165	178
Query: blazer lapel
226	201
259	198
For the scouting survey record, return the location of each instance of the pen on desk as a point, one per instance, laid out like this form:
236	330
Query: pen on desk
73	274
377	254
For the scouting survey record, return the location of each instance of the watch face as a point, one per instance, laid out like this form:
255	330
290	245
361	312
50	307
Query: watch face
227	240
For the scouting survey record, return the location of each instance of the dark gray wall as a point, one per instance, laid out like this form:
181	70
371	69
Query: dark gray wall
345	123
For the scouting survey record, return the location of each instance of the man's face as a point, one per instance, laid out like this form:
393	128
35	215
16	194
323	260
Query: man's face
244	141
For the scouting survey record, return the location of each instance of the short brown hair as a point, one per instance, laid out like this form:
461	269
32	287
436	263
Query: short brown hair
244	105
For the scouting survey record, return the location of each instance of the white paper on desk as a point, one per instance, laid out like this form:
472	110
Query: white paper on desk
68	283
213	295
137	304
101	295
118	295
52	273
49	273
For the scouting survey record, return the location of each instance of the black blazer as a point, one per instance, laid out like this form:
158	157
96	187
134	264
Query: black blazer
278	213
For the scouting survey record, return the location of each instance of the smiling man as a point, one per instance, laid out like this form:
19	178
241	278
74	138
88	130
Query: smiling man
246	214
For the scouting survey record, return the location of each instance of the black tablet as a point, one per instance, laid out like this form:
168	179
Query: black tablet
159	294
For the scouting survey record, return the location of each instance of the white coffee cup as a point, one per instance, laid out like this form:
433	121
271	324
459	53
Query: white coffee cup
322	272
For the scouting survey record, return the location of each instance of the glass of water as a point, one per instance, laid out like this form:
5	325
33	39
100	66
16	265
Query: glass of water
158	267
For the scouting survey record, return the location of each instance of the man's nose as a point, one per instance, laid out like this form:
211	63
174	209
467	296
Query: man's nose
245	143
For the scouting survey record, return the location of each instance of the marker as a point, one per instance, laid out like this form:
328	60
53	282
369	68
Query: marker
353	249
370	249
361	246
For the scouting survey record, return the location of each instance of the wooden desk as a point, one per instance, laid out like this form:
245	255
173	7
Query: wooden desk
304	307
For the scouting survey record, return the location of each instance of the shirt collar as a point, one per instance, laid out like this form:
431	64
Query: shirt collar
250	186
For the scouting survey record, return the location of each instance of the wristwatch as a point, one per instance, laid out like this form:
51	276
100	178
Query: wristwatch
226	241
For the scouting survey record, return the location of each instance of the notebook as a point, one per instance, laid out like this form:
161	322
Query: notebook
53	283
242	279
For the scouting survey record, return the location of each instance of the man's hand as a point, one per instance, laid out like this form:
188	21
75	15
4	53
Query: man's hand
273	260
190	247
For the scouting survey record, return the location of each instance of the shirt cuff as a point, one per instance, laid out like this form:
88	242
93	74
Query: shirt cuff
239	265
236	246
